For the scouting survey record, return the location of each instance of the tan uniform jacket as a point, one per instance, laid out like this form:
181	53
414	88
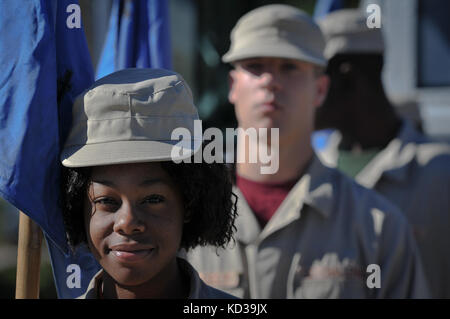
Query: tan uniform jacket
198	289
324	241
414	173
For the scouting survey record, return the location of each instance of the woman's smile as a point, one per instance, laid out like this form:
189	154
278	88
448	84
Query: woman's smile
131	256
131	253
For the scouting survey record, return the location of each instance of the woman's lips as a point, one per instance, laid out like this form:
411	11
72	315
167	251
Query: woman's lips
131	253
131	256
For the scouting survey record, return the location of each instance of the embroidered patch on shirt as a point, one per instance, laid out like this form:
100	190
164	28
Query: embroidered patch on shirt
331	267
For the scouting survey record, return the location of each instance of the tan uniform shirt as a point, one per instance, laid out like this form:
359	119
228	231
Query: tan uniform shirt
319	244
198	289
414	173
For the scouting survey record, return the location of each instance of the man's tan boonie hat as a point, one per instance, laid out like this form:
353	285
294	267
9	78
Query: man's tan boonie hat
276	31
128	117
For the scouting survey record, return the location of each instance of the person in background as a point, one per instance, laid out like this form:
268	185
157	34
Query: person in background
306	230
379	148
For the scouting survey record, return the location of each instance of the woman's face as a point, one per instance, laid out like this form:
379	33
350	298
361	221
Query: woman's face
134	222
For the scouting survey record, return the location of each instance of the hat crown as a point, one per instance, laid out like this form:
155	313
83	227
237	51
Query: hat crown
344	21
276	31
136	92
276	15
346	31
144	105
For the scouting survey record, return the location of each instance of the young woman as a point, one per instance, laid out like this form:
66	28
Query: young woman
124	195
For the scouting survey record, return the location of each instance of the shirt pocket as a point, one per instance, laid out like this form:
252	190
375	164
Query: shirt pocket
331	288
329	278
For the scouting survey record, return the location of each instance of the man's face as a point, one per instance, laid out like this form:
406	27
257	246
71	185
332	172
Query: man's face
277	93
134	221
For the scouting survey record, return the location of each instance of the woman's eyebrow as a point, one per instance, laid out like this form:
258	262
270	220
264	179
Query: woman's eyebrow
149	182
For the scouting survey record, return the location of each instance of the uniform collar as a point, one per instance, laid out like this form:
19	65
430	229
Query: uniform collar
195	283
314	188
319	191
93	289
394	160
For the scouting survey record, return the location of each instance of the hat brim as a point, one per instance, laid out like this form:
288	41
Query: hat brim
277	50
364	42
125	152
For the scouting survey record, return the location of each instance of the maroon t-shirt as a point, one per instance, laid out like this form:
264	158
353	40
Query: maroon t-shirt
262	197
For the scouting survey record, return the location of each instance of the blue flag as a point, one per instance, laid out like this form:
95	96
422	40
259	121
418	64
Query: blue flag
323	7
138	36
45	64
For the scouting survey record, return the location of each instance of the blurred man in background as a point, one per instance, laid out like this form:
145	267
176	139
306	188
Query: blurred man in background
379	148
306	231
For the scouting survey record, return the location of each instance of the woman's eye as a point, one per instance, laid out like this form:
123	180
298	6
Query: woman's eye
154	199
106	202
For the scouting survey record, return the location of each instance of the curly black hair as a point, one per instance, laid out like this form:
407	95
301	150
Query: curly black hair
206	190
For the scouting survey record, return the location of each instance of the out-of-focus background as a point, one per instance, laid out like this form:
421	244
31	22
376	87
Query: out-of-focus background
416	75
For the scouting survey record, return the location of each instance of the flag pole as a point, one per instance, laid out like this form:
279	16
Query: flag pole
28	258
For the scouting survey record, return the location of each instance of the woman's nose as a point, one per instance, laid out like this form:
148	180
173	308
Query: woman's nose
127	220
